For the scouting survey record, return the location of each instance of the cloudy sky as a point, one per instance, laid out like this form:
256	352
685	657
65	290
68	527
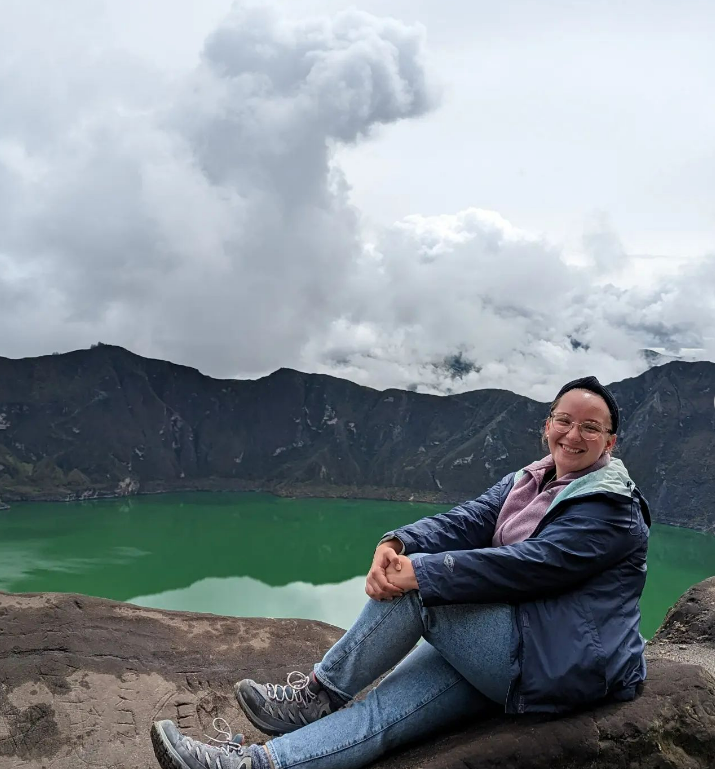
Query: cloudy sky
441	196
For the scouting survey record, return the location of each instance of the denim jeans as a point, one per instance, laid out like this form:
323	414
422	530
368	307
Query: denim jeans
458	673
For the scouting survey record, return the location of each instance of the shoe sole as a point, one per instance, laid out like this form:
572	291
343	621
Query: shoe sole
259	723
165	754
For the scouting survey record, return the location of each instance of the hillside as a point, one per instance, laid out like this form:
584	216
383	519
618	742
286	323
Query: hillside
106	421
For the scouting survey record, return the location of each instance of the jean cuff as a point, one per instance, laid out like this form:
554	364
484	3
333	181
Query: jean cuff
327	685
275	762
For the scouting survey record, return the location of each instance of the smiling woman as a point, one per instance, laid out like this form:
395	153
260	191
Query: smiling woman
592	411
527	599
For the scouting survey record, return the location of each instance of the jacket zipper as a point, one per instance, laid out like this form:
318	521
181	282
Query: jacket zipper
514	700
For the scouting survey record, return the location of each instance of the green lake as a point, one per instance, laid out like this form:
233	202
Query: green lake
253	554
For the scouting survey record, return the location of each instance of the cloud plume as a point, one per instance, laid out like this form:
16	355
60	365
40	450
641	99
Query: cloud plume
204	221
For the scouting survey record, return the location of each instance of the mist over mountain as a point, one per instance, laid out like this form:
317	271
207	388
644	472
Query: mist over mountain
106	421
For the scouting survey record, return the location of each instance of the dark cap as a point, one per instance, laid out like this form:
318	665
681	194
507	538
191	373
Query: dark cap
593	385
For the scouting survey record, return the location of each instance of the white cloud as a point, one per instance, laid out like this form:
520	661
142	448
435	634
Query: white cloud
202	215
201	220
452	303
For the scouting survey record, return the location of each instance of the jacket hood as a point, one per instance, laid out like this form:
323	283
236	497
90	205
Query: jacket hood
613	479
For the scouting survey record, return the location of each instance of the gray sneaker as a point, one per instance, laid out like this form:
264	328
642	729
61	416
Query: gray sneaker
277	709
174	750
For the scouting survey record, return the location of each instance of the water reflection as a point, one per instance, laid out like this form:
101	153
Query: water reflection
27	561
338	604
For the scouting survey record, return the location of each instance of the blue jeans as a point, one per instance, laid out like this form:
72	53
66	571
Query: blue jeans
461	670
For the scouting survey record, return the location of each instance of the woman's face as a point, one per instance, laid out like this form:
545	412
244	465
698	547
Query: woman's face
571	451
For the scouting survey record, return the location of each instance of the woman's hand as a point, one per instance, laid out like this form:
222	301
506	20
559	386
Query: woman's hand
402	574
377	585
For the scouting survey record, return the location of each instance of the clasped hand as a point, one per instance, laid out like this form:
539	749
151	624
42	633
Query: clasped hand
390	575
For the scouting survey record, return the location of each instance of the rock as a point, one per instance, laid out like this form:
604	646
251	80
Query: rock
692	619
688	630
81	680
670	726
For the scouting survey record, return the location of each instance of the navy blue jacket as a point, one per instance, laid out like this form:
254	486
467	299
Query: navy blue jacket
574	585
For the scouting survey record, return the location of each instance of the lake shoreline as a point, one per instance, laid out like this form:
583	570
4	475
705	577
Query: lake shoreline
294	491
222	485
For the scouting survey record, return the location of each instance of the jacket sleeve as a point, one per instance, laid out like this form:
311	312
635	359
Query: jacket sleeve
585	539
467	526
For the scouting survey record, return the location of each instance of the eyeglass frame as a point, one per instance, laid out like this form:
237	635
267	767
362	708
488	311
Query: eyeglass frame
602	430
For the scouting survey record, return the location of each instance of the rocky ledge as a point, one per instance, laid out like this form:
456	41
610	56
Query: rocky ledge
81	680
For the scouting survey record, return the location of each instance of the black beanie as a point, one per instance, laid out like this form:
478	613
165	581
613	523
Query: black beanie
593	385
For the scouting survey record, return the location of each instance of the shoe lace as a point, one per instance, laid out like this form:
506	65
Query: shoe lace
228	745
230	740
296	689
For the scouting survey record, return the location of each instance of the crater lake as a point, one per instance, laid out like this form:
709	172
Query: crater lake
248	554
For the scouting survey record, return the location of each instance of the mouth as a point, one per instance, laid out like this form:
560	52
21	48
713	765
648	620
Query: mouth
571	451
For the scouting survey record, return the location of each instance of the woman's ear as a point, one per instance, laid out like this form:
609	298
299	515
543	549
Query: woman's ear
610	443
545	432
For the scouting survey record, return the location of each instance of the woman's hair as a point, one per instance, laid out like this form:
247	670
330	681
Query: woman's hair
554	405
591	384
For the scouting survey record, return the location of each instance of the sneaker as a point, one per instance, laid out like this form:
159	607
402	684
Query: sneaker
277	709
174	750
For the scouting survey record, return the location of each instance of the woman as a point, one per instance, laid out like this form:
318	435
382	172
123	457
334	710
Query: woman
526	597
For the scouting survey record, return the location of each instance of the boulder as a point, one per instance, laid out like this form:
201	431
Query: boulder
81	680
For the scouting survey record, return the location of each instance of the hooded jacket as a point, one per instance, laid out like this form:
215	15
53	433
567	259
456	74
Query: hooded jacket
574	585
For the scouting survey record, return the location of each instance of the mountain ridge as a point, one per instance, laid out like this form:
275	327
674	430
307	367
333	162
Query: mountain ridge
106	421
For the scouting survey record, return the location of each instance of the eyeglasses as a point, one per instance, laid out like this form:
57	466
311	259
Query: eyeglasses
589	431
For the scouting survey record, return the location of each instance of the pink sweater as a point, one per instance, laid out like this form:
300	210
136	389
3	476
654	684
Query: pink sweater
525	505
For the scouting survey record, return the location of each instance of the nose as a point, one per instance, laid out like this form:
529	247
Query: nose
574	426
